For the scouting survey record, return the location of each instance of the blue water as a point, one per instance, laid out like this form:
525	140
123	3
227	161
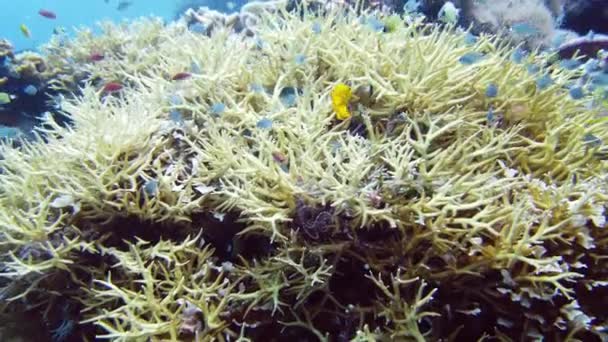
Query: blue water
70	14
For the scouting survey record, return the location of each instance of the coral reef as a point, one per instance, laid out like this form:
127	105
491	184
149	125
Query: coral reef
523	21
24	78
221	6
212	194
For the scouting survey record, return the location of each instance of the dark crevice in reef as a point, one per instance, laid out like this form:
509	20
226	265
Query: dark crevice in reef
220	234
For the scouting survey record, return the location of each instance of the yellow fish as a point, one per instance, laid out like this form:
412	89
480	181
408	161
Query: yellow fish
340	96
25	31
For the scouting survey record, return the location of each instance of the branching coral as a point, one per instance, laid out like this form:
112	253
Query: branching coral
434	211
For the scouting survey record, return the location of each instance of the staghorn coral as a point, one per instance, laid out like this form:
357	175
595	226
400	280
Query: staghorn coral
420	217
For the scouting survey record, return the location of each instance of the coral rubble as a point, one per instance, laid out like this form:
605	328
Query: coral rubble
461	198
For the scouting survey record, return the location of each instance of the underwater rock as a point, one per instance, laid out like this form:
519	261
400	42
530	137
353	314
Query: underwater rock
583	16
584	46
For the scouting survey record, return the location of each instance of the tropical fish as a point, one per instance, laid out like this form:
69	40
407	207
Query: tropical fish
375	24
448	13
570	64
411	6
59	30
471	58
533	68
176	116
30	90
151	188
112	87
470	39
490	116
26	31
96	56
47	14
256	88
4	98
591	65
576	92
195	68
198	28
264	123
123	5
544	81
518	55
300	59
316	27
599	79
279	157
218	108
524	29
180	76
340	96
288	96
591	140
492	90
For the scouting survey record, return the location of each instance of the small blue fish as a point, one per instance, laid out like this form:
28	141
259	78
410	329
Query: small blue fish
492	90
123	5
490	116
264	123
448	13
590	35
576	92
300	59
316	27
30	90
256	88
288	96
411	6
532	68
195	68
570	64
591	65
543	82
470	39
591	140
518	55
175	100
259	43
471	58
198	28
375	24
176	116
599	79
151	187
335	146
218	108
524	29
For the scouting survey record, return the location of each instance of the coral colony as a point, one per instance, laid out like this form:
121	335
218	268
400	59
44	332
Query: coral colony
312	177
